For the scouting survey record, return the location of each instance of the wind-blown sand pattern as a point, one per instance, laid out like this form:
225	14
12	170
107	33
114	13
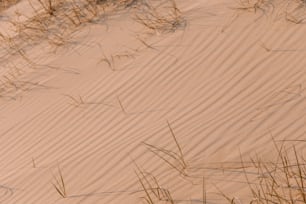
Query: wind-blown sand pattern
226	81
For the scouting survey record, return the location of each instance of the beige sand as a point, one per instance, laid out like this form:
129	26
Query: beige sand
227	82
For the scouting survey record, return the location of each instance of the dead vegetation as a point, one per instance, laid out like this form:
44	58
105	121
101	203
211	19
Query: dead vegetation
79	101
56	21
295	12
175	160
59	183
153	190
290	11
280	180
264	6
4	4
163	18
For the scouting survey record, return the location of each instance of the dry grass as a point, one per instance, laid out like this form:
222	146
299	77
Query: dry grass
55	21
163	18
255	5
281	181
111	60
173	159
154	192
76	101
4	4
292	11
59	184
80	101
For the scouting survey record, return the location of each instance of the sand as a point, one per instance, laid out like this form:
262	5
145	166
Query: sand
226	80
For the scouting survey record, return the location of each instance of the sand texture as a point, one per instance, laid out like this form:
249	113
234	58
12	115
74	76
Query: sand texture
103	101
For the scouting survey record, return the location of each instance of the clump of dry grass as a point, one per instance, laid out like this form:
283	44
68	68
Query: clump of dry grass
4	4
55	21
49	6
282	181
154	192
290	11
163	18
295	12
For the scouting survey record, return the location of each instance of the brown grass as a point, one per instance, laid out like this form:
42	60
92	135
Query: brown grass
59	184
255	5
4	4
291	11
161	18
150	185
173	159
280	181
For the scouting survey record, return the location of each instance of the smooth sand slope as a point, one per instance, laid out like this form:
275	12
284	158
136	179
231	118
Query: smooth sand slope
226	81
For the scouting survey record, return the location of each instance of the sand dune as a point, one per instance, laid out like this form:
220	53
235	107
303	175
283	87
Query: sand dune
227	81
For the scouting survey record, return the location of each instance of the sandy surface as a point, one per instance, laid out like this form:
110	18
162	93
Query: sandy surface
227	82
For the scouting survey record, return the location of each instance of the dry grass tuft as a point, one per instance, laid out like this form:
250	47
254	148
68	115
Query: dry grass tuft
55	21
282	181
154	192
162	18
290	11
4	4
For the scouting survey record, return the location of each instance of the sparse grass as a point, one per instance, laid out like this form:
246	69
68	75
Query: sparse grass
173	159
281	181
76	101
4	4
59	184
290	11
54	20
293	19
255	5
154	192
111	60
80	101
